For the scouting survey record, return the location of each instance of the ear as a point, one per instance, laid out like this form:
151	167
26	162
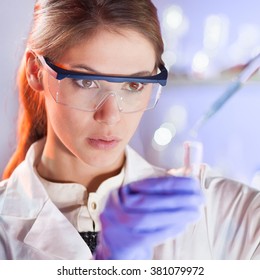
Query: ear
33	71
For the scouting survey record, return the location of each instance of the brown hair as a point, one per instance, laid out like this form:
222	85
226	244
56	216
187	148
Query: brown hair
57	25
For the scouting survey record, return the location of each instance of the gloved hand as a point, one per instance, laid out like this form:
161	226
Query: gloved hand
143	214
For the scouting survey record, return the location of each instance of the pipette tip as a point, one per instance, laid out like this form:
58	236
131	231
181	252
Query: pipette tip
193	133
195	129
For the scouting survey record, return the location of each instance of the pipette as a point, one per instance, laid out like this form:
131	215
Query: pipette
250	68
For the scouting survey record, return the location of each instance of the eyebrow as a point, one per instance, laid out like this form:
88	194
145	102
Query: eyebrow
89	69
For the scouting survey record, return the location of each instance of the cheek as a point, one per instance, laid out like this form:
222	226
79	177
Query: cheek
63	120
131	122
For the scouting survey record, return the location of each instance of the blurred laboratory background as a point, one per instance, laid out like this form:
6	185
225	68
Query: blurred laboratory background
207	44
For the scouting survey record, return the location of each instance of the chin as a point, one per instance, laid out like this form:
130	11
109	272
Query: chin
105	159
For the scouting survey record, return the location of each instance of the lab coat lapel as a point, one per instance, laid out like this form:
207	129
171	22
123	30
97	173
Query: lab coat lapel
50	233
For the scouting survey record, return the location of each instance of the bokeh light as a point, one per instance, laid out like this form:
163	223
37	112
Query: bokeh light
200	62
163	136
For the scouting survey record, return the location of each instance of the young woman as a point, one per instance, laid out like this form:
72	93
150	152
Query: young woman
74	189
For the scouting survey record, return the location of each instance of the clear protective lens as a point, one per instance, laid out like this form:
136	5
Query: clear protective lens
90	95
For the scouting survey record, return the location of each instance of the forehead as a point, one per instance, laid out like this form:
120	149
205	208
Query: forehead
124	52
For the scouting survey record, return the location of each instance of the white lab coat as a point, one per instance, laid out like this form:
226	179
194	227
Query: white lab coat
32	227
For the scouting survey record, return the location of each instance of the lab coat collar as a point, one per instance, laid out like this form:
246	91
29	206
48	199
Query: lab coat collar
25	195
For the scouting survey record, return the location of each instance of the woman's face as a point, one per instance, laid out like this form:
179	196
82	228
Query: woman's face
98	139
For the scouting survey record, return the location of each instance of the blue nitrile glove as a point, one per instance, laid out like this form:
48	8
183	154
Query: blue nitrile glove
143	214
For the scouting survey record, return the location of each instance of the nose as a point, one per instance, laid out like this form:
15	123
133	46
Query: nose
108	111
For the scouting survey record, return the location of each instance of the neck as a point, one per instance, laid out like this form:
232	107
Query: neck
57	164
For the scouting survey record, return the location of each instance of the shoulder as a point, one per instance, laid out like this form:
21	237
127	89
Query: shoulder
232	216
230	195
23	193
218	185
233	211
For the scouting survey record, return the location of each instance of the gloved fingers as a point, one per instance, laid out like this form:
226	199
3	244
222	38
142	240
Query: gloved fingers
119	245
129	243
167	184
176	219
139	202
159	236
149	222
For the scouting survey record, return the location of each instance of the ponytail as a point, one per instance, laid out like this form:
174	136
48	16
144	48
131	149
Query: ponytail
32	124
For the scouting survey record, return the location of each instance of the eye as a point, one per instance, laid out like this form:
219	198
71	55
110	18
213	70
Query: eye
134	86
86	84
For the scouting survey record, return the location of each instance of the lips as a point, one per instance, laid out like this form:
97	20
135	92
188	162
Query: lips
103	143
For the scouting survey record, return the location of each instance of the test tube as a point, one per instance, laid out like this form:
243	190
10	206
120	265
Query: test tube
193	154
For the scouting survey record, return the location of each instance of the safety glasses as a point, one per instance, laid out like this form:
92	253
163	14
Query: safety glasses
61	73
87	92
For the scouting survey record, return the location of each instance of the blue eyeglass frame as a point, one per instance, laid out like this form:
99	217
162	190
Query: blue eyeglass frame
62	73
